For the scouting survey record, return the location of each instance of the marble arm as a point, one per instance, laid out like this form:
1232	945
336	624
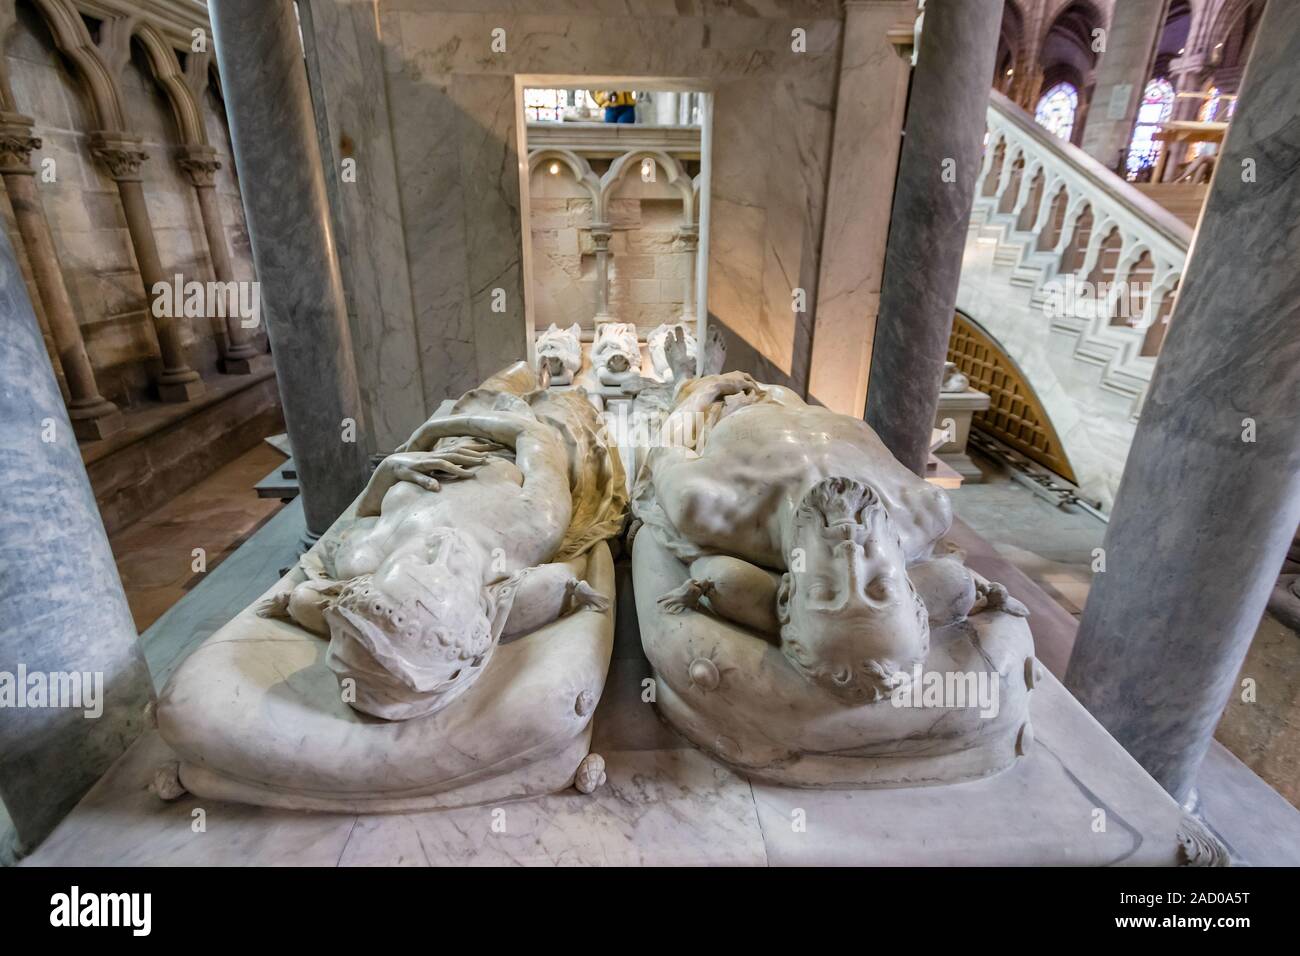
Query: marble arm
539	453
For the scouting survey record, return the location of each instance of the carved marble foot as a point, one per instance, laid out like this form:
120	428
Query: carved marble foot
994	597
591	774
166	784
580	594
687	596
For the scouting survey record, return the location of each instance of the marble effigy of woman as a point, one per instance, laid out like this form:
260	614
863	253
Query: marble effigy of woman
473	532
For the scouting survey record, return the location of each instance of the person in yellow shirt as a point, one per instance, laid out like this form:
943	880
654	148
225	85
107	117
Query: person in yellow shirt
620	105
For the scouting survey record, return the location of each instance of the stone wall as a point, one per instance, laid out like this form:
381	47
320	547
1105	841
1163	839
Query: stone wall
456	219
85	212
647	265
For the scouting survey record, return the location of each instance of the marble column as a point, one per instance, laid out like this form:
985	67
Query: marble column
62	610
601	233
239	353
277	155
122	155
871	102
93	416
1122	75
1210	498
927	231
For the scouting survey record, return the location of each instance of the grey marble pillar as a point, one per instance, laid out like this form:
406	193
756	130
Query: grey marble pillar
1122	74
940	162
62	610
278	159
1210	497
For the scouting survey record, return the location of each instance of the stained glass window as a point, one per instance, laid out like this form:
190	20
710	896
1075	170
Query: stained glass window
1056	109
1157	104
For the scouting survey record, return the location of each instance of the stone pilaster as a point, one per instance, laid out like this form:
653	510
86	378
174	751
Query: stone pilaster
239	355
871	100
93	416
122	157
688	240
278	158
940	163
1210	498
601	233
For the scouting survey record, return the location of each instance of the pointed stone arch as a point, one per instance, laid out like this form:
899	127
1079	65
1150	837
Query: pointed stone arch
672	169
73	40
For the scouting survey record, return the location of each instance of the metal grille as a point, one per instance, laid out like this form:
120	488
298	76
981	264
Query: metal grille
1014	416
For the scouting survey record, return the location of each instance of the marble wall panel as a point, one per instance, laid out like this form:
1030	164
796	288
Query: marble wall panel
451	118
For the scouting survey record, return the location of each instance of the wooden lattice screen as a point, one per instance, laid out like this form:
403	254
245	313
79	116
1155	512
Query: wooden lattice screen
1015	415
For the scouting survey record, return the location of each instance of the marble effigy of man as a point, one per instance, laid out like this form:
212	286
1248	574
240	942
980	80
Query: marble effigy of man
473	532
796	522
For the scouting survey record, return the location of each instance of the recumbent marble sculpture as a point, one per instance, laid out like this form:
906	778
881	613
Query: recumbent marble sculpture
616	354
559	353
444	644
794	610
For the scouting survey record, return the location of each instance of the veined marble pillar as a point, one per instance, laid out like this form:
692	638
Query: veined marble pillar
601	233
1122	75
93	416
72	678
871	101
688	236
1210	498
123	157
927	231
239	355
278	158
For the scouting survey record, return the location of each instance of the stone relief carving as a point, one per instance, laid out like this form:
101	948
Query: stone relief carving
559	353
616	354
794	607
467	597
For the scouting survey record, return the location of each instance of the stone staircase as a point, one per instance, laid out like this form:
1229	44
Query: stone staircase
1047	221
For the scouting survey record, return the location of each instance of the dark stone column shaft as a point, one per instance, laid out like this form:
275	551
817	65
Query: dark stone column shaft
277	155
940	161
1122	75
1210	497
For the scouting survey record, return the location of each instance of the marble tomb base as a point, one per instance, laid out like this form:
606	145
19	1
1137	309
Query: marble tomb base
1076	799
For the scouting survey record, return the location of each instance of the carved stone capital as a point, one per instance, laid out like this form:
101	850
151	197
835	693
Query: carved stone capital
200	164
601	233
122	155
17	143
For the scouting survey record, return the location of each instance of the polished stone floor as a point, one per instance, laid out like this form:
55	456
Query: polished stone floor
155	555
1054	548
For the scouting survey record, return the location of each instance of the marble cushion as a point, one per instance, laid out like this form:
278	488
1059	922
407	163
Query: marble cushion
254	715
